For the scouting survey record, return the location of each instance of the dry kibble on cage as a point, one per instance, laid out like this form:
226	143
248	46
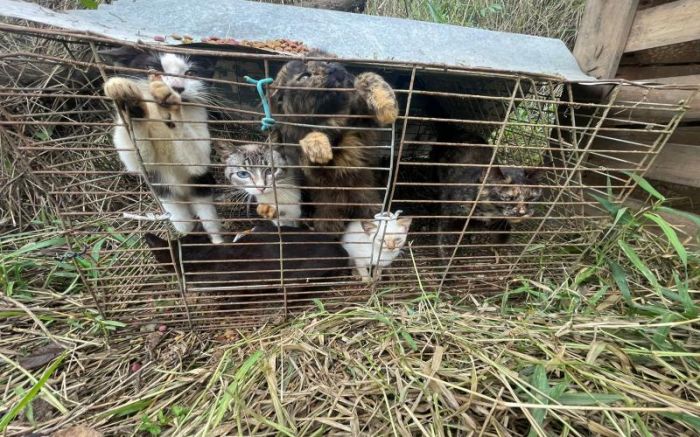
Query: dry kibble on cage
176	36
159	38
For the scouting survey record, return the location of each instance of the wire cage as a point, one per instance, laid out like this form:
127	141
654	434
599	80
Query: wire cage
56	125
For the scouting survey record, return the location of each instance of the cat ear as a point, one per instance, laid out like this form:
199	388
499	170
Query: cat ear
368	226
121	55
222	149
405	222
280	80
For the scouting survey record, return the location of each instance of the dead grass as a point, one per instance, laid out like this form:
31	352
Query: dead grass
578	357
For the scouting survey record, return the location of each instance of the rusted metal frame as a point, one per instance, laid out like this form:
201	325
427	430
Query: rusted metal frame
127	124
658	145
497	143
583	156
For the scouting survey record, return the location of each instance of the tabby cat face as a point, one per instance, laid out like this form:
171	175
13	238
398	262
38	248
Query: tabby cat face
512	196
250	168
312	74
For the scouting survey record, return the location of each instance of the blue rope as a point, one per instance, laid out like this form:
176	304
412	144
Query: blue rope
267	120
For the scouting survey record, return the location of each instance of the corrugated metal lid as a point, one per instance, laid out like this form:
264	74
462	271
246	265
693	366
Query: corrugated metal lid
345	34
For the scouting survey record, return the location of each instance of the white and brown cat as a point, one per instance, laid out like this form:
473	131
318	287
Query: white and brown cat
166	139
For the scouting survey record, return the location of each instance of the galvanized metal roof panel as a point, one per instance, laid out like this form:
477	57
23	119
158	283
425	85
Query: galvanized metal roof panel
344	34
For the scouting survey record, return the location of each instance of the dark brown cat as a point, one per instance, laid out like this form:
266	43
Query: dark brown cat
254	259
330	154
504	199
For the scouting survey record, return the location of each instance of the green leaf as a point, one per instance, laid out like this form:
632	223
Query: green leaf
540	382
89	4
32	247
234	386
638	263
435	13
671	235
692	421
607	204
585	399
687	215
408	339
31	394
691	310
621	280
646	186
127	409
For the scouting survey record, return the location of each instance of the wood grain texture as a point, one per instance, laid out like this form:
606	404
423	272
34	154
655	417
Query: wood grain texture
677	163
669	23
602	36
645	72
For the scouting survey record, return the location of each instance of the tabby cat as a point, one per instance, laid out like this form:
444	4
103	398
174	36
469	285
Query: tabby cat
172	139
504	199
255	169
330	155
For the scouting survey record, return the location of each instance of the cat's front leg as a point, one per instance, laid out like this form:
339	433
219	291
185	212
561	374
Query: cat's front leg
162	93
127	96
267	211
379	96
317	147
363	273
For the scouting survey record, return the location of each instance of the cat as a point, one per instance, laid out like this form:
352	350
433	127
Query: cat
249	168
375	243
504	199
176	161
331	156
254	259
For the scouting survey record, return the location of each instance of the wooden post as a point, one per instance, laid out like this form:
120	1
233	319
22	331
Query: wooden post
602	36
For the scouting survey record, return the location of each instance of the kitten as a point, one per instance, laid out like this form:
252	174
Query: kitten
504	200
331	156
180	136
375	243
254	258
250	169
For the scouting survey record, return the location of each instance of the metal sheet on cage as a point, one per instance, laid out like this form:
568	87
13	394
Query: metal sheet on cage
345	34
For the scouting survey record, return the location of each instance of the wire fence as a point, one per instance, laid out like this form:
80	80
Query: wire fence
501	174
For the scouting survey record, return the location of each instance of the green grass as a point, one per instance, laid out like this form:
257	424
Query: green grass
610	349
555	19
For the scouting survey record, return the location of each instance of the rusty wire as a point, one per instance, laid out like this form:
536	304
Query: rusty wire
56	121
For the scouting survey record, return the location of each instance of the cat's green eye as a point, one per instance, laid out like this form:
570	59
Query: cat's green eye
304	75
189	73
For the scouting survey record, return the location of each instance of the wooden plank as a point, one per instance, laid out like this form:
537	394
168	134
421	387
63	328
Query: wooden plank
677	163
686	135
670	23
645	72
639	95
681	53
602	36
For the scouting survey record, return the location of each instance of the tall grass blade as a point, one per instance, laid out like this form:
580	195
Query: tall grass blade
671	235
31	394
638	263
646	186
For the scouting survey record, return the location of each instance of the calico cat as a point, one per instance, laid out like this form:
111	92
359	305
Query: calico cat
254	258
176	161
504	199
249	168
375	243
330	155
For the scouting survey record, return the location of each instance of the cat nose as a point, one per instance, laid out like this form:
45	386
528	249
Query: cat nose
179	89
521	210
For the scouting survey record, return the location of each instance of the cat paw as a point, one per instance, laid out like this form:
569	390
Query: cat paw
162	93
267	211
124	92
379	96
317	147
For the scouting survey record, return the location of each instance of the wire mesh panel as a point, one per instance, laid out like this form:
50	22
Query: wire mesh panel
497	175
